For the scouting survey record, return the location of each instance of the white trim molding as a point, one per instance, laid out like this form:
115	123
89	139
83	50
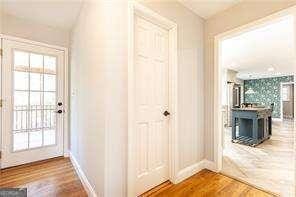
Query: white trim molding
66	115
139	10
23	40
195	168
86	184
210	165
189	171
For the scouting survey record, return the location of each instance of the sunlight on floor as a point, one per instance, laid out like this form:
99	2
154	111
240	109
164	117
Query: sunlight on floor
269	165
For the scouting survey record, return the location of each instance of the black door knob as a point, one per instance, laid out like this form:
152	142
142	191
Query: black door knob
59	111
166	113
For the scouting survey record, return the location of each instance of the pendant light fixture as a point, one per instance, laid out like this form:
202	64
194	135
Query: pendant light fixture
250	91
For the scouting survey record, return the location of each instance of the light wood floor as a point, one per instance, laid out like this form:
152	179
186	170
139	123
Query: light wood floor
206	184
51	178
270	165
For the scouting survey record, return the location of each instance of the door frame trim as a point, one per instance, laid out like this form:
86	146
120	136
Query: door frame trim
281	96
66	86
217	91
146	13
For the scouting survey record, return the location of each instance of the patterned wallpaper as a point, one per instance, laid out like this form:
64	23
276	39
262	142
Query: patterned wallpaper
267	91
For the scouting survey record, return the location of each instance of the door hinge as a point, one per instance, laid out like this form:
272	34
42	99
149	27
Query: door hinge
1	52
0	154
1	103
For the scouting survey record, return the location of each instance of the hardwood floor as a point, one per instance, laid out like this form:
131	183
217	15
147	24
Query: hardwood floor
269	165
54	177
206	184
57	178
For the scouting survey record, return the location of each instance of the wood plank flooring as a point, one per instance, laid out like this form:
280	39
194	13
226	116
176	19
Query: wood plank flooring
206	184
269	165
54	177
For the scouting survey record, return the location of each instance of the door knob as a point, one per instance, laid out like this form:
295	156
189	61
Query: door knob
166	113
59	111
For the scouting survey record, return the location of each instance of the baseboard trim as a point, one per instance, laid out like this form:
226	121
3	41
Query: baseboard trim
66	153
210	165
189	171
87	186
195	168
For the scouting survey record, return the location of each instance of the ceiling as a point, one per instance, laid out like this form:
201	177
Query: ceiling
208	8
255	53
54	13
63	13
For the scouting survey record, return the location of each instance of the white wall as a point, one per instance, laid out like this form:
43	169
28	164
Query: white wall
238	15
99	95
1	16
99	91
21	28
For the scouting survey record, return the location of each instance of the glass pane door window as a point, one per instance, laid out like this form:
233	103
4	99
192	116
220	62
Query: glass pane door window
33	92
34	100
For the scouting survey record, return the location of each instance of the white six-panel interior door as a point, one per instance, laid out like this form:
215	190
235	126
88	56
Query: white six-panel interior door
151	101
32	111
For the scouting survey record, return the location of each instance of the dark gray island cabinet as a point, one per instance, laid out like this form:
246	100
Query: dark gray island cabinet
251	126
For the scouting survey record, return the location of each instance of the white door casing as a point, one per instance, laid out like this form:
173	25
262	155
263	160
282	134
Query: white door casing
151	100
33	85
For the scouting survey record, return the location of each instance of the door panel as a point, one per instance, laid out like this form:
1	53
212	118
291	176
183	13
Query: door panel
151	100
32	86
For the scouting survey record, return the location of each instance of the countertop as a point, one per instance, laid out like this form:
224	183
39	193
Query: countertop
252	109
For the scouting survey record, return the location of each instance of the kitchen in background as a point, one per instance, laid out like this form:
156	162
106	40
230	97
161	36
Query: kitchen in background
266	91
259	92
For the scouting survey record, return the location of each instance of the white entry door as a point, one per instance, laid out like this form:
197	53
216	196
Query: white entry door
151	105
32	93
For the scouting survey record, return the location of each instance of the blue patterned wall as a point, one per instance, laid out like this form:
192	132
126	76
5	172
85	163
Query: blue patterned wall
267	91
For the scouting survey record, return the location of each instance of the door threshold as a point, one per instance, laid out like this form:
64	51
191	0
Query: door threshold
250	184
34	163
157	188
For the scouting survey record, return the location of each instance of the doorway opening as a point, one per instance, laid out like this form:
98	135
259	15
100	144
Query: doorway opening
257	144
287	101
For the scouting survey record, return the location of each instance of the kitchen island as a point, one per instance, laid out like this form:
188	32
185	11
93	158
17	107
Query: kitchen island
251	125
